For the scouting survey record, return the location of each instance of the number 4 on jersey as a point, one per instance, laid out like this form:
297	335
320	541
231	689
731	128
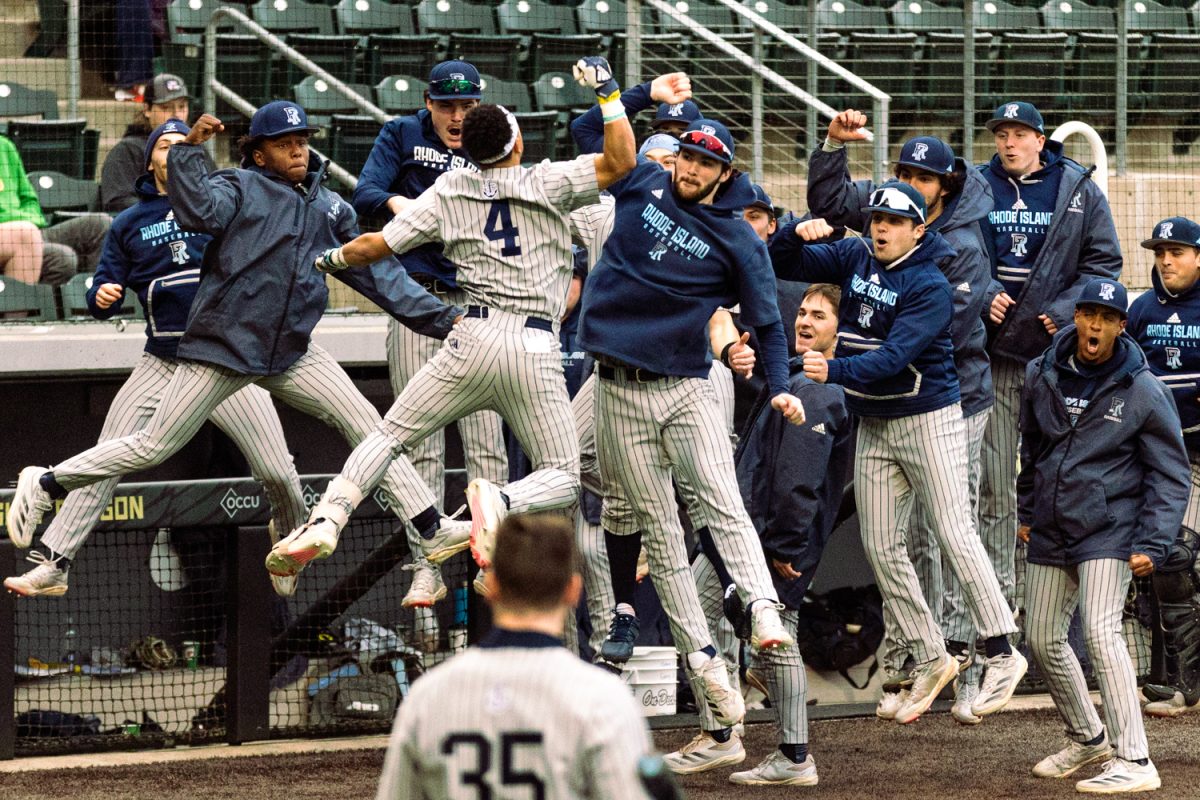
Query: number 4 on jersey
499	226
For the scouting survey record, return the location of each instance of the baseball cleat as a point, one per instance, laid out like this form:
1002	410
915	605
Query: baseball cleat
312	541
726	704
704	752
427	586
778	770
1001	675
618	645
608	666
891	702
29	504
1071	758
451	538
284	585
1172	707
1120	776
47	579
755	680
480	584
963	653
768	632
961	710
928	681
488	510
1153	692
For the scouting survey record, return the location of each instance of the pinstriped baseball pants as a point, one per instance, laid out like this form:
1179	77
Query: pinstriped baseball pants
1098	589
495	363
942	592
649	433
922	457
247	417
481	432
316	385
712	602
998	486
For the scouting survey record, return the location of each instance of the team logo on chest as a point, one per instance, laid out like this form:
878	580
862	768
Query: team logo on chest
1019	244
179	253
919	151
1076	203
1116	410
657	252
1173	357
865	312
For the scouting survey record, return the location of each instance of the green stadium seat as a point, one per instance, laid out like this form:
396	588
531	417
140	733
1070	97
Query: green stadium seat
513	95
843	16
1148	16
244	66
550	37
293	16
320	100
923	16
527	17
400	94
792	19
607	17
1072	16
52	29
351	137
17	100
661	53
21	301
558	91
73	300
540	133
187	20
942	93
335	54
186	61
450	16
495	53
58	145
874	58
361	17
550	52
59	192
403	54
1032	66
1172	80
997	15
1094	95
715	17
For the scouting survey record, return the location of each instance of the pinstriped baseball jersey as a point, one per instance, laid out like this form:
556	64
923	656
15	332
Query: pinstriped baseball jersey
591	225
511	254
517	717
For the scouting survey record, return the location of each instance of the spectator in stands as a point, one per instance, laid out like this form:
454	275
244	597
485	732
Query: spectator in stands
166	98
135	59
65	249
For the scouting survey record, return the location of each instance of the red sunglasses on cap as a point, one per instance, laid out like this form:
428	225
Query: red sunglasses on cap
707	141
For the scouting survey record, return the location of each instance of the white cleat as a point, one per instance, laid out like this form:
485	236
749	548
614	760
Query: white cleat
961	710
284	585
480	583
1177	705
726	704
928	681
451	538
312	541
704	752
890	703
29	504
768	631
427	586
1075	755
44	580
1000	678
778	770
1121	776
488	510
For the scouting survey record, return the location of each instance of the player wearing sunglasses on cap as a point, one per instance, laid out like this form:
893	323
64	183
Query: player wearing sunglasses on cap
895	359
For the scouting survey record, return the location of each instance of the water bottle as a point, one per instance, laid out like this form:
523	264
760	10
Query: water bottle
458	631
70	645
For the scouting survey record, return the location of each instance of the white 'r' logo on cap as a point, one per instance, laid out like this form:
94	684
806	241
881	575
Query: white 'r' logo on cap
172	85
675	110
1010	111
293	115
1106	291
1164	232
919	151
709	129
457	76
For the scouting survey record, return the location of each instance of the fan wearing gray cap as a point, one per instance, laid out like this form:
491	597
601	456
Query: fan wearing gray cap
1165	322
166	98
957	200
1050	231
895	359
1100	498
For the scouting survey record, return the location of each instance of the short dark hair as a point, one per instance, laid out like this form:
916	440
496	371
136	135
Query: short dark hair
830	291
951	183
534	561
246	145
485	132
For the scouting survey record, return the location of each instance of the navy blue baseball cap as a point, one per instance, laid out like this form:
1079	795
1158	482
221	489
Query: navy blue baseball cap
1105	292
1174	230
686	112
278	118
170	126
762	200
455	80
1019	112
928	153
897	198
708	137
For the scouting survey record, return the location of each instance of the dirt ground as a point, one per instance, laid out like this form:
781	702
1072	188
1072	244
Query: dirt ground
859	758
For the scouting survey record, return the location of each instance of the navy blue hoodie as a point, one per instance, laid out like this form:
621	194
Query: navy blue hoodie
406	159
147	252
1113	484
1167	326
894	355
666	269
588	128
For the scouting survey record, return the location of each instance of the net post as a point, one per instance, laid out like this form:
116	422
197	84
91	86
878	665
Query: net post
248	677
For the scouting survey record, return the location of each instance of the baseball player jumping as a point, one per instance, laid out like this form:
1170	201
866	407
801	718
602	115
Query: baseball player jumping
148	253
1166	323
895	360
258	301
1101	495
506	228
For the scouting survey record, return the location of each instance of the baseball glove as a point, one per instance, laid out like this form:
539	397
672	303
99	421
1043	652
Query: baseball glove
152	653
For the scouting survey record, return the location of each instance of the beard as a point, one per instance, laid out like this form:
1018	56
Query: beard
686	193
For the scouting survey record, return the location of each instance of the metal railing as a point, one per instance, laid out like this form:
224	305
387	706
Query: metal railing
1099	153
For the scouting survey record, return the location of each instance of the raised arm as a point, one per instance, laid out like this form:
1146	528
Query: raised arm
202	202
417	226
794	257
588	129
831	193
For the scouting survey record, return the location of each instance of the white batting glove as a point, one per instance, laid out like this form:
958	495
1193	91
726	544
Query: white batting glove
595	73
331	260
